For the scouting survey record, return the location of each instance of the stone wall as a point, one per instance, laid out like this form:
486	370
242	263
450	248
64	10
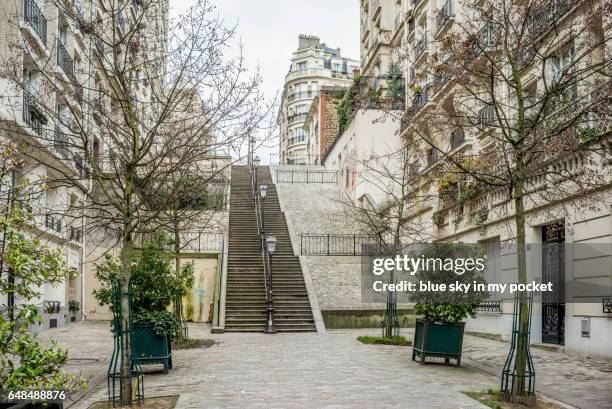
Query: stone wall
318	208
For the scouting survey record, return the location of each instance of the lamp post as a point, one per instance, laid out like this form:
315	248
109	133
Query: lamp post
256	161
271	246
263	190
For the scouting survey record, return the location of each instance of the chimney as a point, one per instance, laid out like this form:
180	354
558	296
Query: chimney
307	41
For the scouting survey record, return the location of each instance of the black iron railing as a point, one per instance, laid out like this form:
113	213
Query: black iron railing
61	143
65	62
301	117
335	244
32	114
421	46
265	253
51	307
489	306
75	234
545	15
53	223
486	115
457	138
607	305
444	14
35	18
306	176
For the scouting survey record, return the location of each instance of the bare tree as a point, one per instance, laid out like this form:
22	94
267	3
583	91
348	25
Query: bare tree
531	81
137	106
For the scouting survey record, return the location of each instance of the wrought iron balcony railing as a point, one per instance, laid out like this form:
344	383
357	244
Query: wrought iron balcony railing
35	18
432	157
457	138
444	15
301	95
65	62
61	143
53	223
421	46
33	116
420	99
301	117
486	115
546	15
75	234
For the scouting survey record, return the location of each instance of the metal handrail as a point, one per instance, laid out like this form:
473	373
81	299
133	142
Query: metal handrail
265	255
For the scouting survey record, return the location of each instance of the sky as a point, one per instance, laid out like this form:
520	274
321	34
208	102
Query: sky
269	31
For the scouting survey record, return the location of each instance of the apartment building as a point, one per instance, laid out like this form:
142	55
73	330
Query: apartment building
55	91
436	97
313	66
382	29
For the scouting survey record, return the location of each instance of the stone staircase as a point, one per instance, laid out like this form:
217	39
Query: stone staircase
245	307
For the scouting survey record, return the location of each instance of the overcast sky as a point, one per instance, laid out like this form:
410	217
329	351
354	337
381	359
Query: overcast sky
269	30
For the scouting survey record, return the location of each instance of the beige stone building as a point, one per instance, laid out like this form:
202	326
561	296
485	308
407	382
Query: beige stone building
313	66
487	217
53	83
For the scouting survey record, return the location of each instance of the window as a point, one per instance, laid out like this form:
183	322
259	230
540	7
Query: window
559	64
302	65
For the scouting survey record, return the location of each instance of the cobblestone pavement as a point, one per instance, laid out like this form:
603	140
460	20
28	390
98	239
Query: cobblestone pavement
332	370
573	379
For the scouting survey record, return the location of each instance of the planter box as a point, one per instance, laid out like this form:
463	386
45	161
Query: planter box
438	339
148	348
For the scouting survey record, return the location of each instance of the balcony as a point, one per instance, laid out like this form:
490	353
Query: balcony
121	22
33	116
444	15
75	234
301	117
296	140
53	223
420	99
486	116
432	157
421	46
457	138
35	19
301	95
485	41
65	62
61	143
308	72
544	16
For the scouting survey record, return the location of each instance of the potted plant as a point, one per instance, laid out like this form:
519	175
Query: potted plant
73	307
154	286
439	331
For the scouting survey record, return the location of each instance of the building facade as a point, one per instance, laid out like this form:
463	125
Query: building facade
53	88
313	66
552	221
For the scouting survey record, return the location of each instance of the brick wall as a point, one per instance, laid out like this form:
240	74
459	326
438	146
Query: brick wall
328	121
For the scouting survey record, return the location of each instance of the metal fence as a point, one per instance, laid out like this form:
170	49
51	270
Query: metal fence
489	306
335	244
306	176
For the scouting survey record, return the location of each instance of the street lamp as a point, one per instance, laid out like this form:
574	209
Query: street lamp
271	246
263	190
256	161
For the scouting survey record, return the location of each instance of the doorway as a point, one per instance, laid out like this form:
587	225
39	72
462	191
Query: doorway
553	270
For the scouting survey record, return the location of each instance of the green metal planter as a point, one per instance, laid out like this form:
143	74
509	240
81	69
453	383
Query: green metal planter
438	340
149	348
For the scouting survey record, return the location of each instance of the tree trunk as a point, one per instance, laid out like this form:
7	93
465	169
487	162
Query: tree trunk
178	302
126	350
523	327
